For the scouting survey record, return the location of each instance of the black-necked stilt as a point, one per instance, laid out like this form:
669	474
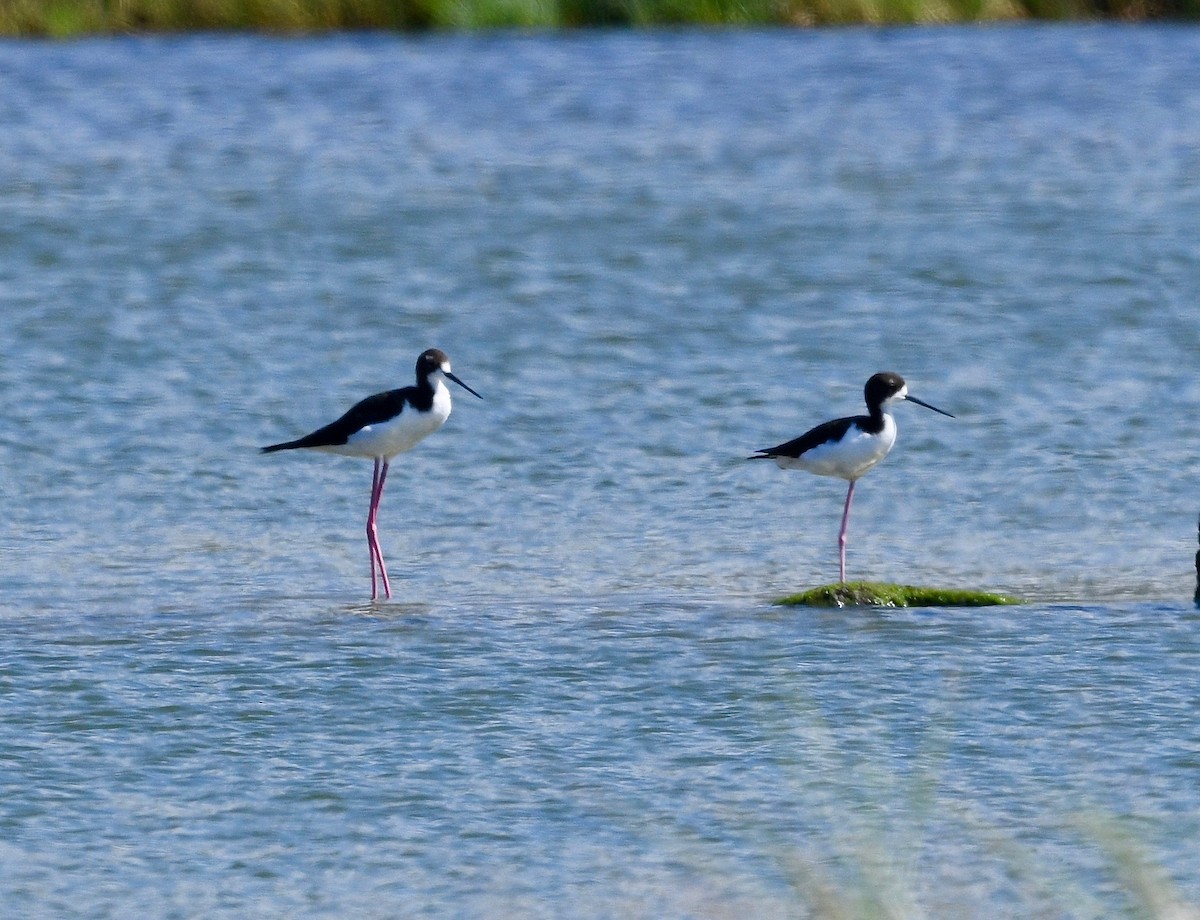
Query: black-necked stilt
382	426
848	447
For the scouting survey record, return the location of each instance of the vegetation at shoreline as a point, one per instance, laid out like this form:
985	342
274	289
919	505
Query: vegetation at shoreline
67	18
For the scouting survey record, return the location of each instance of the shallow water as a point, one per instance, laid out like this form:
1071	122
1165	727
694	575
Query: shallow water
651	253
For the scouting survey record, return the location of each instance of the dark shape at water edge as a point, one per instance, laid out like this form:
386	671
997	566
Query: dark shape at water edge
1197	596
883	594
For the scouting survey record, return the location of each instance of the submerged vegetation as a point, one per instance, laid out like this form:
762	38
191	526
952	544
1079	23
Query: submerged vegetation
882	594
65	18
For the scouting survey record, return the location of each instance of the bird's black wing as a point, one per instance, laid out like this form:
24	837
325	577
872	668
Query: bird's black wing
823	433
381	407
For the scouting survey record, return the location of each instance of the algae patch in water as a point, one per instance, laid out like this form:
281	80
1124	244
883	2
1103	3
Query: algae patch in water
882	594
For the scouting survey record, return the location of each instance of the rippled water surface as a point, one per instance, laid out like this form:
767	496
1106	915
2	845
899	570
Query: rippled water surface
652	254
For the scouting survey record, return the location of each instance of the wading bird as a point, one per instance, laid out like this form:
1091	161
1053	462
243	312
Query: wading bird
848	447
381	426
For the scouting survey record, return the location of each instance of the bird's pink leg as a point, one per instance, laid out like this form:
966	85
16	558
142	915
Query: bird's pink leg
372	537
373	533
842	533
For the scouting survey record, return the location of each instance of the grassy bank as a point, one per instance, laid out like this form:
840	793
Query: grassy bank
64	18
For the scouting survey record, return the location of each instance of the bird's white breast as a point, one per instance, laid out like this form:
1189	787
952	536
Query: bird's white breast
849	458
395	436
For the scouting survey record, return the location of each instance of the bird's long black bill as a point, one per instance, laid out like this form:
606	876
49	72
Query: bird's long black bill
473	393
927	406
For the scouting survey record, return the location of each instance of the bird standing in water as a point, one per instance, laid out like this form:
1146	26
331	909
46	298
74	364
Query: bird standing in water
381	426
848	447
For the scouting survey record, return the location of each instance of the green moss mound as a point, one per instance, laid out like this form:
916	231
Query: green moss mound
882	594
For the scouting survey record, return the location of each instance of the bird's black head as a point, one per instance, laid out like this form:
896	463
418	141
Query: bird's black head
431	360
434	361
883	387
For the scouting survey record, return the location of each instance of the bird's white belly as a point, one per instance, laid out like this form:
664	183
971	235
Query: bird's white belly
848	458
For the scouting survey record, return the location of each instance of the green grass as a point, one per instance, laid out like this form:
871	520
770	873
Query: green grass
882	594
66	18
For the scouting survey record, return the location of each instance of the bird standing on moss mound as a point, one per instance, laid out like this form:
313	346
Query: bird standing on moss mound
848	448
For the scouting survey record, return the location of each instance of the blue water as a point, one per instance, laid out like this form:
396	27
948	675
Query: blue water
651	253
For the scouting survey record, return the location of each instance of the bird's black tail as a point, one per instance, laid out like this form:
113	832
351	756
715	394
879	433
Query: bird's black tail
305	441
329	436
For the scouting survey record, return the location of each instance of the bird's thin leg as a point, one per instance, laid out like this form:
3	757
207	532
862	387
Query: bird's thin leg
387	585
372	538
842	533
